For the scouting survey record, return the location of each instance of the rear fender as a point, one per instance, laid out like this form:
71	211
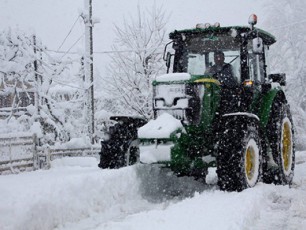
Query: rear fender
266	104
241	116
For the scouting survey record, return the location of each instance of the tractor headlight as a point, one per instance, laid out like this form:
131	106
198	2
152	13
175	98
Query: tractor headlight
248	83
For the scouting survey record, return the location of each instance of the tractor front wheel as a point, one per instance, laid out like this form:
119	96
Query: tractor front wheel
239	154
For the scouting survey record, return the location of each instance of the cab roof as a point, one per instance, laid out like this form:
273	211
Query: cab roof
268	38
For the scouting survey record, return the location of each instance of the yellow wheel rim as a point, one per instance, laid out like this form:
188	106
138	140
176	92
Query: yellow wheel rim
250	162
287	146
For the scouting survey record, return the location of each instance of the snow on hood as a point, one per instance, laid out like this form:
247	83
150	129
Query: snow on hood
160	128
173	77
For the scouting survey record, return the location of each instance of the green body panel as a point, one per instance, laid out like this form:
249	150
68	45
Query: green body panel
266	105
198	138
210	102
183	163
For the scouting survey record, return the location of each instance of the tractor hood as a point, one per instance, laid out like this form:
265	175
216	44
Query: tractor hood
173	77
161	128
181	78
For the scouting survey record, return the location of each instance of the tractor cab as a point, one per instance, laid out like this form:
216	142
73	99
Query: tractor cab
234	58
244	48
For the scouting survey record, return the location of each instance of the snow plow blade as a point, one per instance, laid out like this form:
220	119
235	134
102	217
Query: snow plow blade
120	148
155	153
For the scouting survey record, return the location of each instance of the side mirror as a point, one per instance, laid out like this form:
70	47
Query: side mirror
165	49
278	78
168	61
258	45
167	57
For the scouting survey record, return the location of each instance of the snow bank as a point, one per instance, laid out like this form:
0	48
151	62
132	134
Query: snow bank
75	143
211	210
74	161
79	198
162	127
62	195
262	207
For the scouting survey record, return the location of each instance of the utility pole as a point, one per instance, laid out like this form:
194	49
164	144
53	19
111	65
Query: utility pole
89	67
37	82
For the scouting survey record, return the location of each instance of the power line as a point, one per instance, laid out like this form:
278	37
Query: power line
73	45
100	52
68	33
71	86
61	52
120	51
61	83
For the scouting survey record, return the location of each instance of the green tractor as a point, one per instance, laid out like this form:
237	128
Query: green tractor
221	108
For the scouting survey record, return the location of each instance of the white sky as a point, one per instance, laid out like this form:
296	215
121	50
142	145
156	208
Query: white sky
52	19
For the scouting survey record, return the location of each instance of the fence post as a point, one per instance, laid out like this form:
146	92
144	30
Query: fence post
48	157
10	149
35	153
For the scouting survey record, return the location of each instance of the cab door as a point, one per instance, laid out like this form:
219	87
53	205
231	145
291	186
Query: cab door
257	75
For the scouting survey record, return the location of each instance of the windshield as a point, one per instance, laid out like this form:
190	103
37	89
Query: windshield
199	64
199	55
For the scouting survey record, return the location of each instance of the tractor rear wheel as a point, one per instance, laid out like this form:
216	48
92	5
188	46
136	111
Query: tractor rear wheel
239	154
281	138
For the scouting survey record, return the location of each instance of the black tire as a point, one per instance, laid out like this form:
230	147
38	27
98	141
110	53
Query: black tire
113	156
132	154
281	144
239	154
111	159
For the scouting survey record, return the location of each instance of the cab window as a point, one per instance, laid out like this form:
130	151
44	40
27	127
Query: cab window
256	67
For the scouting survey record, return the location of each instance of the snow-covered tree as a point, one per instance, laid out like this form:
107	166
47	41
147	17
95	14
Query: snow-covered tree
26	74
70	96
286	20
136	61
15	69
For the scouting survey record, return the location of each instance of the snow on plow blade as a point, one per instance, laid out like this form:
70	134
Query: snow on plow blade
155	153
157	137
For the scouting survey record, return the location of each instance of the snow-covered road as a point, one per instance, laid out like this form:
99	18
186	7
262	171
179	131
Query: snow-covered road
75	194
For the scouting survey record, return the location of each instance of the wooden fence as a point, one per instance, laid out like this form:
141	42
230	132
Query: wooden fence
18	154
